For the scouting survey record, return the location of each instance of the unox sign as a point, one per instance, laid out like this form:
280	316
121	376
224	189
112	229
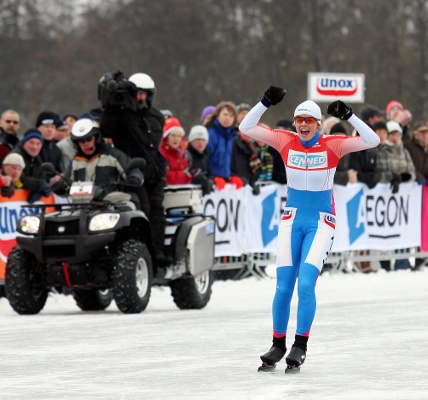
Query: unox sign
329	87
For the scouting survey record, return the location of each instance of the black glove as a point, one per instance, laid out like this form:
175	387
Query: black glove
273	95
395	182
340	110
405	177
256	189
8	191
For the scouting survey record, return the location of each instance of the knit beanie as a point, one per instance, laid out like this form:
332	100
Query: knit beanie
30	134
14	159
198	132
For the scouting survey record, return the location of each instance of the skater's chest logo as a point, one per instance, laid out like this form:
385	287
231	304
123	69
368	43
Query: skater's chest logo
301	160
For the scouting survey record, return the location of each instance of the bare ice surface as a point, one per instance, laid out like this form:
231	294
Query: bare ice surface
369	341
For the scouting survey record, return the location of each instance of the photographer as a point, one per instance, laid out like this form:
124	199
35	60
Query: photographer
136	128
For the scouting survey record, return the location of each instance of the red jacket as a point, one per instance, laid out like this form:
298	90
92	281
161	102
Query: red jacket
178	162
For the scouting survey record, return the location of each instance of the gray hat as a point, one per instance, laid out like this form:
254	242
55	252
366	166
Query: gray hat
198	132
14	159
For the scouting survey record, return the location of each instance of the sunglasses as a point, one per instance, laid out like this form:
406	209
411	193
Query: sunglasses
9	121
308	120
81	141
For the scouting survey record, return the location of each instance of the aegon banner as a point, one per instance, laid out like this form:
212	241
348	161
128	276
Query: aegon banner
366	218
331	86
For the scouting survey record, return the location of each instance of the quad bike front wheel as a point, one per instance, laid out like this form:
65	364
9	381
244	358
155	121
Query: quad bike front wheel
24	285
132	277
92	299
192	292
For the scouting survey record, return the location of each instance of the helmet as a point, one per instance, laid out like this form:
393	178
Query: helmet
84	128
146	83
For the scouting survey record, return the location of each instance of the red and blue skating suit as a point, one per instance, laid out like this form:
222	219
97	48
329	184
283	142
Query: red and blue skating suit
307	227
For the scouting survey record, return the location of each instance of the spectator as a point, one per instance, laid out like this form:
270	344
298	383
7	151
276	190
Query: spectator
199	159
97	161
9	126
50	152
207	114
344	174
12	168
178	162
222	130
242	110
395	111
62	130
373	165
70	120
137	130
267	162
33	178
418	149
245	161
371	114
400	161
328	123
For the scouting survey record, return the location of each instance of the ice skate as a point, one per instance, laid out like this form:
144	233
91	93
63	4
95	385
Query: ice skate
295	359
269	359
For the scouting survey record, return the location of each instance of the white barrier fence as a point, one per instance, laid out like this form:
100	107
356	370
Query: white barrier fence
367	219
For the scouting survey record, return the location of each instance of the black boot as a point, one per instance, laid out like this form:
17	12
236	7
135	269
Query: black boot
296	357
276	352
297	354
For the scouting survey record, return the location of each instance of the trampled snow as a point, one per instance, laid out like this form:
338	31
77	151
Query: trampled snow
369	341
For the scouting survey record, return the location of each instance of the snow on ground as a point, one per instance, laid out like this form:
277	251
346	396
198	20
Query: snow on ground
369	341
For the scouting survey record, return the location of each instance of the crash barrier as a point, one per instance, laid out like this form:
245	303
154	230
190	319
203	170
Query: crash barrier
10	212
371	225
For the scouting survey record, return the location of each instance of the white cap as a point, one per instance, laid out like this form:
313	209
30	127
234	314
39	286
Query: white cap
14	159
309	107
198	132
394	126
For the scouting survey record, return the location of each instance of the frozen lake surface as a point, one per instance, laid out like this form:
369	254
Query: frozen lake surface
369	341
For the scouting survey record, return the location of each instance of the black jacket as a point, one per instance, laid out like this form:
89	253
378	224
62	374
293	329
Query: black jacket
137	134
32	175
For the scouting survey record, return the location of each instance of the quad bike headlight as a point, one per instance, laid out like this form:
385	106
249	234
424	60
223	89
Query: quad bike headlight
103	221
29	225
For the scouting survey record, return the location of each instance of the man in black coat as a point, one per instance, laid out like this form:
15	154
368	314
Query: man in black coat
136	128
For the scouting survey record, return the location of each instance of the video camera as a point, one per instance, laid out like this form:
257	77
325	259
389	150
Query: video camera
114	89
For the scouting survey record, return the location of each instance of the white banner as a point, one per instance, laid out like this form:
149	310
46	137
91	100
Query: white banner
366	218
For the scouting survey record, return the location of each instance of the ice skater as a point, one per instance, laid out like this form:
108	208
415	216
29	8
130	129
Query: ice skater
307	226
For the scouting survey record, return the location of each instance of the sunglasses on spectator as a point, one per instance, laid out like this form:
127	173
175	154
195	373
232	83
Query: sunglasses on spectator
88	139
10	121
308	120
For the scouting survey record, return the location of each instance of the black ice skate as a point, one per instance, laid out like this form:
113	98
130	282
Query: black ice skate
269	359
295	359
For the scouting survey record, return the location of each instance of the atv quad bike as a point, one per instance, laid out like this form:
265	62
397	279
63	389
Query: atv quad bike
102	250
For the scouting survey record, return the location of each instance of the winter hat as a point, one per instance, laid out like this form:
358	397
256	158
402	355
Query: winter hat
46	118
207	110
198	132
309	107
391	104
394	126
14	159
337	128
172	124
242	107
30	134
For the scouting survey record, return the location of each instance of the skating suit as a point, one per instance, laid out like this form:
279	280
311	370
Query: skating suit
306	231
